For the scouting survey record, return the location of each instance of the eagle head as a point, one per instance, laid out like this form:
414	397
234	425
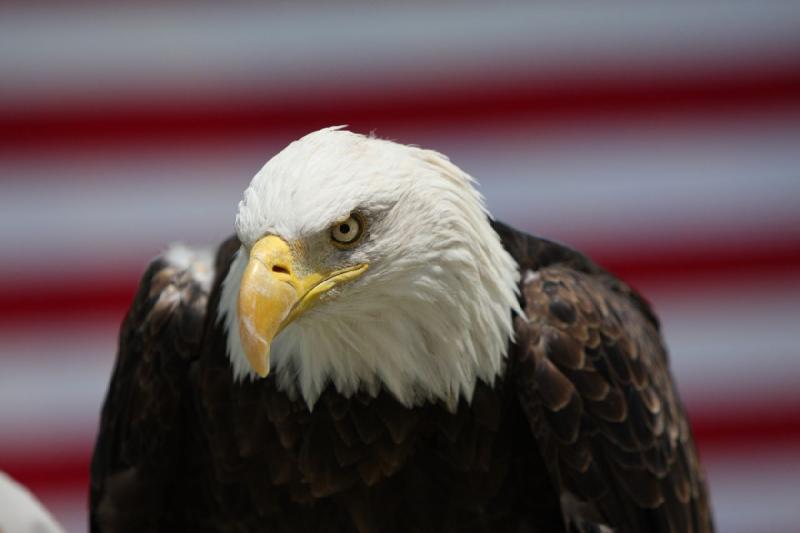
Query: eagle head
367	264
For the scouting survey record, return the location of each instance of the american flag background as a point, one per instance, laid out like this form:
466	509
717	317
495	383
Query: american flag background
661	139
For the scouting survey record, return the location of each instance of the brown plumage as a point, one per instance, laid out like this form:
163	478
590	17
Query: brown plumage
585	430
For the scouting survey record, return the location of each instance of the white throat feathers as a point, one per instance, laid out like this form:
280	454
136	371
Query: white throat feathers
433	312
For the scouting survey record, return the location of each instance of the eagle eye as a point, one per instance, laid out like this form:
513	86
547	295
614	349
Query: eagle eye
348	232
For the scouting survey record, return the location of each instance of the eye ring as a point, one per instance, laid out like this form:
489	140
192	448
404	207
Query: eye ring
347	233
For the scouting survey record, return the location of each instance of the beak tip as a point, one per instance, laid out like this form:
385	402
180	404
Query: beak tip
260	364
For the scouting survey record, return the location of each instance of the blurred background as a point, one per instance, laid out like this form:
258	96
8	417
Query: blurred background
664	140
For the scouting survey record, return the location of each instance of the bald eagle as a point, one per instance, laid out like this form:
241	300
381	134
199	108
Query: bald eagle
373	352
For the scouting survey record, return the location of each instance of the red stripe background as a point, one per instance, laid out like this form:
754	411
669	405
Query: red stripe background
461	101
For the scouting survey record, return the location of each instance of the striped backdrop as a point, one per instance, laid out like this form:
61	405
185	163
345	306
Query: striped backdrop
662	139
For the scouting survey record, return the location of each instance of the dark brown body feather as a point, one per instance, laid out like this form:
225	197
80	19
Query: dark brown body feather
585	429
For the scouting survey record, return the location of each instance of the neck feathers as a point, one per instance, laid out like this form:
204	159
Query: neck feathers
426	336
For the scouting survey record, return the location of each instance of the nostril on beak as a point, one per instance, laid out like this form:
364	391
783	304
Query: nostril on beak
280	269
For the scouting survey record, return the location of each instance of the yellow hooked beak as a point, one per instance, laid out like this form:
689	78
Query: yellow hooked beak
273	293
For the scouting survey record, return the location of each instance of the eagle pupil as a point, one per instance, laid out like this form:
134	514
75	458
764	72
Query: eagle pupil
344	228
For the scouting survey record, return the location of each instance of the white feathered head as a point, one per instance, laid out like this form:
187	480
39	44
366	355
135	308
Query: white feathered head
367	264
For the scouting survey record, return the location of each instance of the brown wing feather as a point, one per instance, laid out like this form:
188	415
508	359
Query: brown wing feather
141	421
594	381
